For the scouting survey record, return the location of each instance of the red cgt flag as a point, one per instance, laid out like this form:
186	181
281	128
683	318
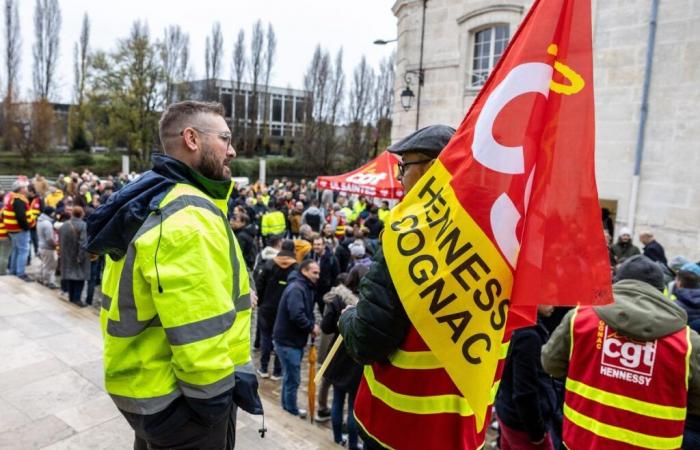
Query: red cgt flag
522	161
508	217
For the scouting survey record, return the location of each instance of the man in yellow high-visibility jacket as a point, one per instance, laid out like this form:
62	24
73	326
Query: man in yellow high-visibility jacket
176	320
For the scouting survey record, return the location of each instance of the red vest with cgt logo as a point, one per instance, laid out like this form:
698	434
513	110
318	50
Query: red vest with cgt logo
623	394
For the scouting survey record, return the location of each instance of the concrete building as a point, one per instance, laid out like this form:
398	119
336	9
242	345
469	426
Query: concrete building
285	109
464	39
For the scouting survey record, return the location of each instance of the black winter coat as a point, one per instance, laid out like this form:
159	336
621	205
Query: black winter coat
655	252
330	269
246	239
272	281
342	254
379	324
295	316
526	399
342	371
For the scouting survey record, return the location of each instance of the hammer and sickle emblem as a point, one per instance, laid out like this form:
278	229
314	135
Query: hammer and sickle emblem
576	80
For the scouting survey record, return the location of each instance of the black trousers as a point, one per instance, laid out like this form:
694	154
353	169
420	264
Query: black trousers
194	436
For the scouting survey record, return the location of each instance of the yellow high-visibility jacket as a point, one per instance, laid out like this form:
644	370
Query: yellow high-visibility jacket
176	320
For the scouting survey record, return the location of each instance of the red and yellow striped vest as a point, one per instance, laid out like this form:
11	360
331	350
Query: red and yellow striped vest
34	211
411	402
3	230
623	394
8	216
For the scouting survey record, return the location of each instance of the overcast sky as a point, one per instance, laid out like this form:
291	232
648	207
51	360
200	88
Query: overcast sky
299	26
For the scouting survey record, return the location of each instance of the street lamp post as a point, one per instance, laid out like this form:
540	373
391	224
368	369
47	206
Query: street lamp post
407	94
420	64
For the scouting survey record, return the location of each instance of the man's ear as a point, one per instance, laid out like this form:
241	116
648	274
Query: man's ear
190	138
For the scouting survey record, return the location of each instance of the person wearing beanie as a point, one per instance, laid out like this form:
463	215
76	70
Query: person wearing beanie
47	248
686	293
637	348
623	248
675	265
358	253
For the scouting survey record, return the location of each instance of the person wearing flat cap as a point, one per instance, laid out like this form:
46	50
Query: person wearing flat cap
638	349
378	325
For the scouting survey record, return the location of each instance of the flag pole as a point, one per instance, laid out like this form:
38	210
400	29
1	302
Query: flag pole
327	361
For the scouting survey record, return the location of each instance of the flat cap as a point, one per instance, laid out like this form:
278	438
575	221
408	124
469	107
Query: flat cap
429	140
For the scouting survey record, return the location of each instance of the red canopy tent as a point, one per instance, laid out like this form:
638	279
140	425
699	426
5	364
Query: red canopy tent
376	179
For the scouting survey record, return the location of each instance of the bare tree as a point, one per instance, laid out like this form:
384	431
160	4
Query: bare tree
384	101
238	72
359	137
212	59
269	61
47	27
337	88
216	51
323	81
12	129
361	92
80	60
257	57
77	137
13	48
174	54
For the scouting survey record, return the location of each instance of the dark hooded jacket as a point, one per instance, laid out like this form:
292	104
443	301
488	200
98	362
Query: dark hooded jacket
246	239
689	300
271	282
295	316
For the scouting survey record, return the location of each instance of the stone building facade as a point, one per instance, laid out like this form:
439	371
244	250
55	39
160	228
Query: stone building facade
462	42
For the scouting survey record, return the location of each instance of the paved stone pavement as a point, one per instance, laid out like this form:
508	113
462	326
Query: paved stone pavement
52	392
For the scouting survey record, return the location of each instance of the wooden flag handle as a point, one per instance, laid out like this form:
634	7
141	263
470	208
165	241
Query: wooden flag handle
327	361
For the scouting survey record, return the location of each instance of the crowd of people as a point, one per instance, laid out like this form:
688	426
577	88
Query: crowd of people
307	250
46	219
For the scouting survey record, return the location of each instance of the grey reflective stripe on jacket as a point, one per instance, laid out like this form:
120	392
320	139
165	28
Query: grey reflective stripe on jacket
209	390
144	406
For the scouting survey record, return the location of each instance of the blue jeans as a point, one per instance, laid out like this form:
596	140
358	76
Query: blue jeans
265	325
20	252
337	417
291	367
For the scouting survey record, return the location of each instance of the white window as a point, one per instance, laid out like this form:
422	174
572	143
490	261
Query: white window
489	44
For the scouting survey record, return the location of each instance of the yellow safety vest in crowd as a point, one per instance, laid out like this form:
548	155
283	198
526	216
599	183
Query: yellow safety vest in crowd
357	209
53	199
273	223
176	317
348	213
383	214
